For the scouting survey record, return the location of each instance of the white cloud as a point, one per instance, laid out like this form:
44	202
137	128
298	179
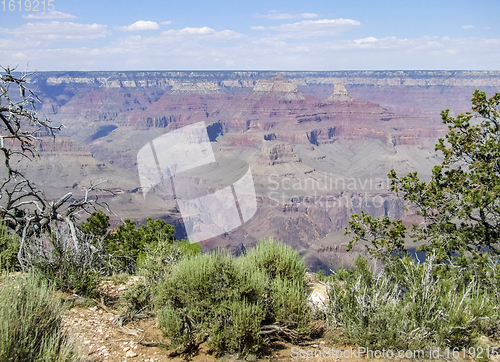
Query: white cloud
308	28
370	39
56	30
200	32
168	22
140	25
272	15
191	31
468	27
49	15
203	48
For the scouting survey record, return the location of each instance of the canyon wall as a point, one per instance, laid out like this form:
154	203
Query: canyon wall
319	144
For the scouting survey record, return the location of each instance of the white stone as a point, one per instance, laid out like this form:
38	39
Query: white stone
131	354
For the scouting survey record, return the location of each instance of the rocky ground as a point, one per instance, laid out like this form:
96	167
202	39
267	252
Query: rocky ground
101	338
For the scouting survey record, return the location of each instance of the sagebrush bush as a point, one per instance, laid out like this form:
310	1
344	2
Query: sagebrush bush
9	247
229	300
159	257
407	307
137	299
31	322
278	260
289	307
158	261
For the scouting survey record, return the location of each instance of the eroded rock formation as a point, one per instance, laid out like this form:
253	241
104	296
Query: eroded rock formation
319	144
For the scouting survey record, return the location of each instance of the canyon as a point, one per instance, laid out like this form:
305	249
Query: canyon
319	144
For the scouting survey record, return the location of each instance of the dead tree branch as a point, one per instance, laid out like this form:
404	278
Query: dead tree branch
23	207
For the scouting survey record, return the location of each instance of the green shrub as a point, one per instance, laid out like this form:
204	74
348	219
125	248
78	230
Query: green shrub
229	300
407	307
243	333
127	244
172	325
320	276
9	247
97	225
30	322
158	261
161	256
290	306
137	298
72	278
200	296
278	260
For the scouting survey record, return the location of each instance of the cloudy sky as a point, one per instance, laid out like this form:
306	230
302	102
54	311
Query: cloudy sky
250	35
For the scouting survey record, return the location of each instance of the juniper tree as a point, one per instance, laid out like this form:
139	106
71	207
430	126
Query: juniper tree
460	205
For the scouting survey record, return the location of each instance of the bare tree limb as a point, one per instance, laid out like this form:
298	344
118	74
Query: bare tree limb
23	207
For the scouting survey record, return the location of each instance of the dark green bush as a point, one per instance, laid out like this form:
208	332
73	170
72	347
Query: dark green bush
127	244
229	300
30	322
97	225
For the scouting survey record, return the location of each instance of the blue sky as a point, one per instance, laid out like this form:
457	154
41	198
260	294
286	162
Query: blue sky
251	35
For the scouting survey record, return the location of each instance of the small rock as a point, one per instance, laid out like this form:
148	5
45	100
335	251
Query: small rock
131	354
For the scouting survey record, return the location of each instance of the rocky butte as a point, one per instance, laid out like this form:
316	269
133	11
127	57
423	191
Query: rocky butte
319	144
